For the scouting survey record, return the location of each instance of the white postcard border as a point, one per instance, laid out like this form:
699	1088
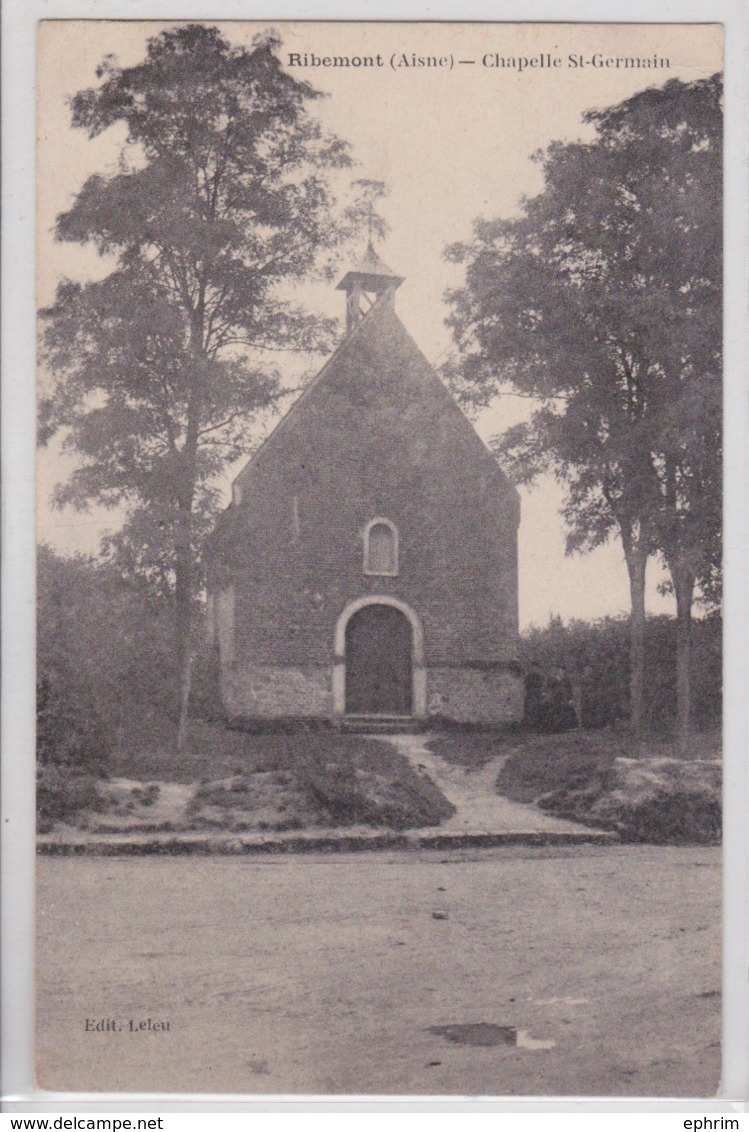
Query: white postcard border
18	428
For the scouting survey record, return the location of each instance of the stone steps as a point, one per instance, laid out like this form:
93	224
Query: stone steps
380	725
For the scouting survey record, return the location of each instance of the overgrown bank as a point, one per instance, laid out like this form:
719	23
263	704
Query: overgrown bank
236	782
605	779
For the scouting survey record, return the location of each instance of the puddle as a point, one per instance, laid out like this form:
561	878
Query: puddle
489	1034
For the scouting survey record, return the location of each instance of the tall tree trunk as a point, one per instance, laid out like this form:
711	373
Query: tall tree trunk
184	570
683	580
636	554
183	597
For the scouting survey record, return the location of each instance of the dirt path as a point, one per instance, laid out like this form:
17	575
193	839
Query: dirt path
589	971
472	791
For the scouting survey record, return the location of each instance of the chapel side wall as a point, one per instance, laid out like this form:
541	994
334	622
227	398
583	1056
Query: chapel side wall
223	619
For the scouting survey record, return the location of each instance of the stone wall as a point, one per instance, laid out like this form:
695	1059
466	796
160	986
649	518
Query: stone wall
473	695
461	695
277	693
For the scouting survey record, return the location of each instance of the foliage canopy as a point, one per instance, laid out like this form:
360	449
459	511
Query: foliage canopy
603	301
223	199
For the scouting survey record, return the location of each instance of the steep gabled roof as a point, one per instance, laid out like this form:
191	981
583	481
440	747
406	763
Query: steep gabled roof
382	328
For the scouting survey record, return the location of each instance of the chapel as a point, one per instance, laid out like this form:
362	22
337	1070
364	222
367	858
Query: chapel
365	571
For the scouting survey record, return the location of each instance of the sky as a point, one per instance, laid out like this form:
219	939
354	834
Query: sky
453	142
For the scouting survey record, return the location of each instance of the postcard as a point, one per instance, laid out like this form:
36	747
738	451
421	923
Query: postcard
379	685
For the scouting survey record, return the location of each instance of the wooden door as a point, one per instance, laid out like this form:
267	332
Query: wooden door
379	662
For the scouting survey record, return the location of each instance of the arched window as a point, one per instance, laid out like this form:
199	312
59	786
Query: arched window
381	548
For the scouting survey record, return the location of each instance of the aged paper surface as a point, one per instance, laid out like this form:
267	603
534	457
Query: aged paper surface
190	941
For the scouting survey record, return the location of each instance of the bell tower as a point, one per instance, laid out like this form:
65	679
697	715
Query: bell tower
365	285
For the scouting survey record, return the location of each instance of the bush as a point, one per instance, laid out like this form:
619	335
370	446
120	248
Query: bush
69	729
597	657
61	792
675	819
104	654
545	763
104	674
370	783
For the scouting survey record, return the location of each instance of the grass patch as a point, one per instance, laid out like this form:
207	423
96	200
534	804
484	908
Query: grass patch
213	752
542	763
657	798
292	779
471	749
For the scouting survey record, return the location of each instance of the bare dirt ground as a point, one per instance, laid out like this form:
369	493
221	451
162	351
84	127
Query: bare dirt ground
520	971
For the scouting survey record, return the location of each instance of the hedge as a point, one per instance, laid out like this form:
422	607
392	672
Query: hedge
596	657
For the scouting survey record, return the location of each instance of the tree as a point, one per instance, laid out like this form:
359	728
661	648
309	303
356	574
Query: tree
602	301
224	197
103	659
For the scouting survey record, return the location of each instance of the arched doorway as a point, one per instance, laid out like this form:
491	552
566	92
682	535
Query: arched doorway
379	662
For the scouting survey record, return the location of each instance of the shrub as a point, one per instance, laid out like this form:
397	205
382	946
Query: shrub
596	657
104	673
605	779
69	728
674	819
61	792
349	796
369	782
104	659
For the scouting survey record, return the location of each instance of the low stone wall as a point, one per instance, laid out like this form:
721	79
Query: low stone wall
474	695
458	695
278	693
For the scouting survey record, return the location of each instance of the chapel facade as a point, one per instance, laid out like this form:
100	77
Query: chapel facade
365	571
